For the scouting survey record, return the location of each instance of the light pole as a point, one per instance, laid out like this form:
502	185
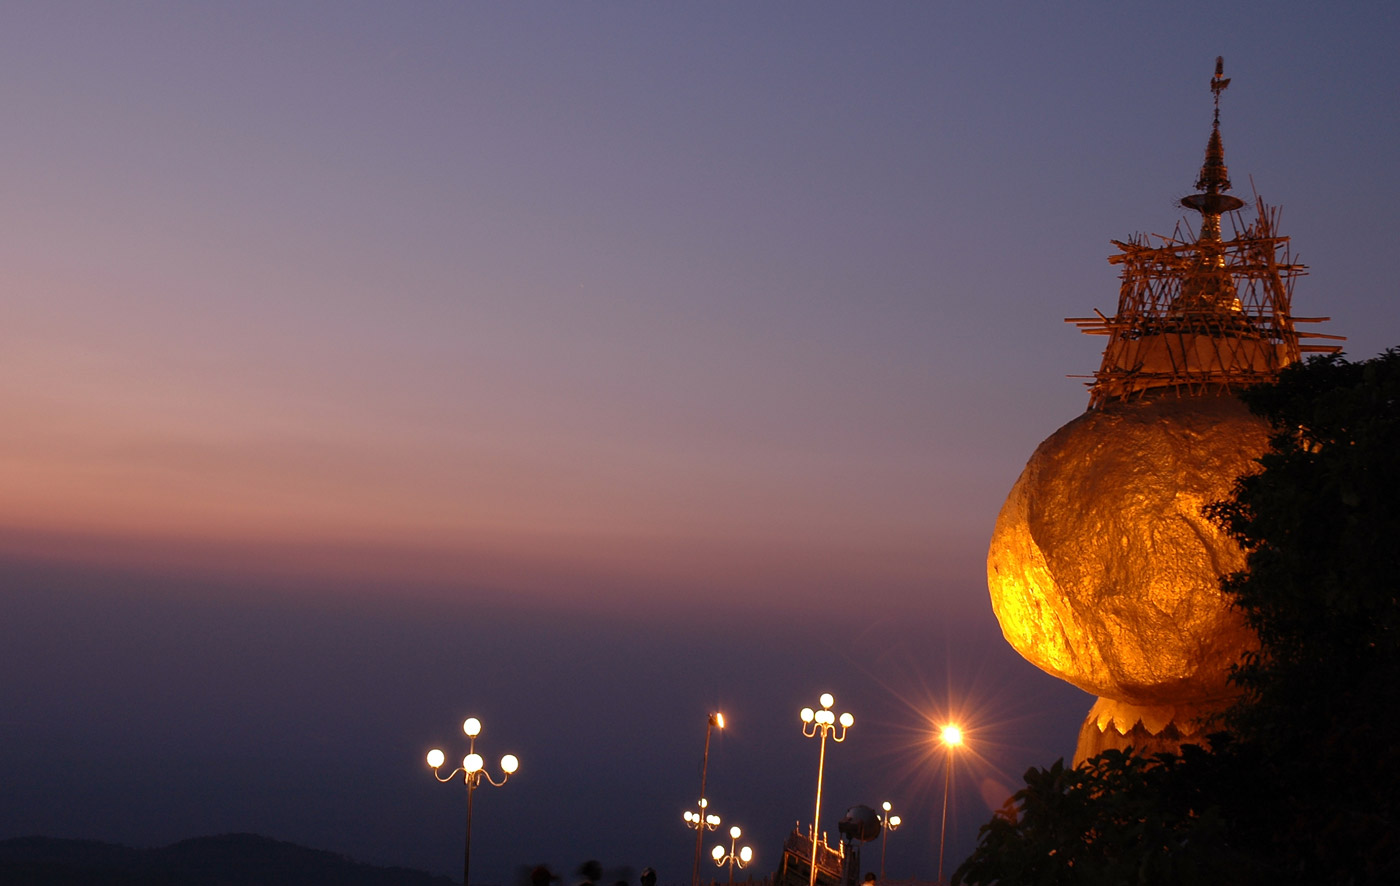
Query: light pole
887	823
744	856
473	768
952	737
701	821
715	719
821	723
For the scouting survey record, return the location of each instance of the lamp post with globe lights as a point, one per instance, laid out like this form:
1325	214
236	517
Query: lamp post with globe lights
814	724
887	823
743	857
473	769
701	820
952	737
715	719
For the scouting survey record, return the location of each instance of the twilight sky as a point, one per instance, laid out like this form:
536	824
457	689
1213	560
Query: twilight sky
584	367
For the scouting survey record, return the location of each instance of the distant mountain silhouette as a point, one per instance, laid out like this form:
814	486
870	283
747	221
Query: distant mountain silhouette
225	860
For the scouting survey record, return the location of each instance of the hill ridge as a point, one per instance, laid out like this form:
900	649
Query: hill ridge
232	859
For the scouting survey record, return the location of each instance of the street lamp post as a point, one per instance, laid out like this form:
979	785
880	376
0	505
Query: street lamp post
821	723
952	737
744	856
473	768
702	821
715	719
887	823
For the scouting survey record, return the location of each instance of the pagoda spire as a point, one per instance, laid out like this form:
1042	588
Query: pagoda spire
1204	315
1212	202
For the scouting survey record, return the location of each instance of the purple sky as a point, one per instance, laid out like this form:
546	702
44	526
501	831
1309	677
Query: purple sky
583	367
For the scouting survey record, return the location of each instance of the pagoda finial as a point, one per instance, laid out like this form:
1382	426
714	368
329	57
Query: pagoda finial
1218	84
1212	202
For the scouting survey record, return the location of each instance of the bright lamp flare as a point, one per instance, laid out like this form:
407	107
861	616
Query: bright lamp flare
473	763
436	758
827	699
808	715
847	720
952	735
719	719
734	832
894	822
472	727
509	763
717	853
746	855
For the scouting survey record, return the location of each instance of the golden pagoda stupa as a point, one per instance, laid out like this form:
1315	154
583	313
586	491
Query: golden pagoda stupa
1103	569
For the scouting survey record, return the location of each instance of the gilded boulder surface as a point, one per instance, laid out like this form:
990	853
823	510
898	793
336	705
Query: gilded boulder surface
1104	571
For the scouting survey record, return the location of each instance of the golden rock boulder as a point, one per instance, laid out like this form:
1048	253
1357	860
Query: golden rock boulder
1105	572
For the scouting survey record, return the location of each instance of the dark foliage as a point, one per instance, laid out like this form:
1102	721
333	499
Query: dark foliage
1321	526
1119	818
1303	788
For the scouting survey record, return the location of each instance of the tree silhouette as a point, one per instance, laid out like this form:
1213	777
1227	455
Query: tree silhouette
1321	527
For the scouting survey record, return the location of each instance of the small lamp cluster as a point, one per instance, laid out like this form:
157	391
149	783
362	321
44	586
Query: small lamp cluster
741	858
473	765
825	719
702	819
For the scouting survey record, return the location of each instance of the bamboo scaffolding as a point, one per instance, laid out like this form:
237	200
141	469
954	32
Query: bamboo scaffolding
1200	315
